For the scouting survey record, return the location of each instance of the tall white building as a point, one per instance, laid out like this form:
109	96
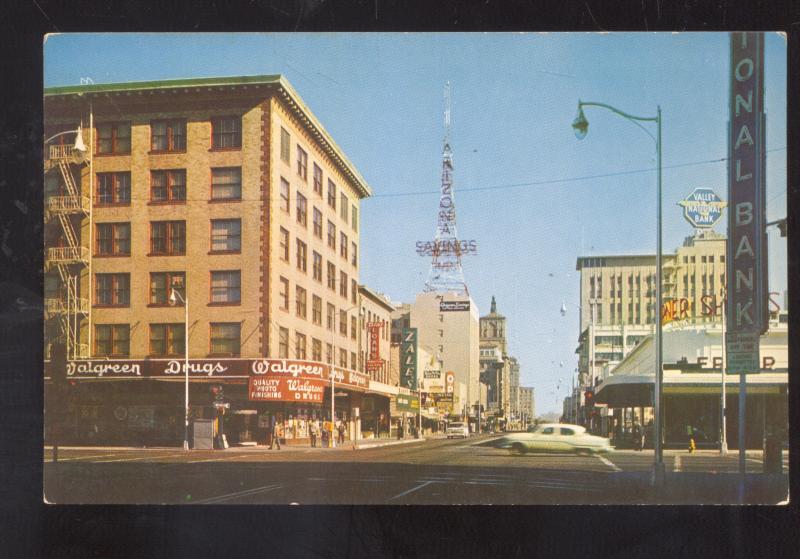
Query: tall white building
447	326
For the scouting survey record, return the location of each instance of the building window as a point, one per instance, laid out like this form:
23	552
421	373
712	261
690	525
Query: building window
344	207
300	301
317	179
162	284
168	186
113	239
343	323
331	316
301	256
353	327
113	188
285	145
328	353
300	345
284	242
226	183
168	135
331	194
316	349
283	342
703	259
711	258
302	163
354	254
226	235
283	294
331	276
167	237
354	217
226	339
343	358
600	313
331	235
167	339
226	132
112	290
226	287
353	363
112	340
114	138
316	310
302	210
317	223
353	291
285	195
343	245
317	265
343	284
722	258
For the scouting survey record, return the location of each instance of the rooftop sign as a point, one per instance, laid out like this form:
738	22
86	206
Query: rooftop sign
702	208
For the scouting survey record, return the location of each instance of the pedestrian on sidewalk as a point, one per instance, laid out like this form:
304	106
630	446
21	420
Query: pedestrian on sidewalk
277	432
341	429
314	433
638	437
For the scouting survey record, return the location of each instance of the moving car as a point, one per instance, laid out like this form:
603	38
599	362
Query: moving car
457	430
556	437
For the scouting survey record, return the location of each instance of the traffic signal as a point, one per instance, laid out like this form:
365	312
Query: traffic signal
589	398
782	226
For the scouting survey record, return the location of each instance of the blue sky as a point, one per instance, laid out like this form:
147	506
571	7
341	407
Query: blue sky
514	98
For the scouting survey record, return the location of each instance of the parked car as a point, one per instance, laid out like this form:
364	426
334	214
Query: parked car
556	437
457	430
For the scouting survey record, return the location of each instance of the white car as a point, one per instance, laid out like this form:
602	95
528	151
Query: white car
555	437
457	430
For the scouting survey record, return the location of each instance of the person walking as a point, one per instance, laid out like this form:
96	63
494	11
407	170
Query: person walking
277	432
637	437
314	433
341	429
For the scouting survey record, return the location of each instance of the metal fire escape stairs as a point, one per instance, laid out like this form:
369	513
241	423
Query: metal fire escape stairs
68	308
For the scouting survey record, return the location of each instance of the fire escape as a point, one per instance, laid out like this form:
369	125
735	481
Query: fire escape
64	210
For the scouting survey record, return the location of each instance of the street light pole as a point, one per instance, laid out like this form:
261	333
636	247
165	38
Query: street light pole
581	126
173	299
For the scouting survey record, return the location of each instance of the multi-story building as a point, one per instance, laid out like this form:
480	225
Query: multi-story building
375	359
527	404
224	195
499	370
618	300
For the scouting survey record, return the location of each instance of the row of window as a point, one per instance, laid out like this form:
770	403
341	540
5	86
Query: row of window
167	135
301	307
166	186
348	250
300	349
167	238
114	290
166	340
317	180
703	259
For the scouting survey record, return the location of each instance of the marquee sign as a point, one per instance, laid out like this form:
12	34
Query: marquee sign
746	262
702	208
211	369
408	359
374	361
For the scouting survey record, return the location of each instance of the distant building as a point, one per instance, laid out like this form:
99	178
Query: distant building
495	363
527	404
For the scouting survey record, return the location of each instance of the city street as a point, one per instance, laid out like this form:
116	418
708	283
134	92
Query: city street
433	471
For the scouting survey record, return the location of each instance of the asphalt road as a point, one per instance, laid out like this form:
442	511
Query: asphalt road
434	471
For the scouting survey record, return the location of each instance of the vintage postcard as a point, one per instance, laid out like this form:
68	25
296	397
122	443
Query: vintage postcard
415	268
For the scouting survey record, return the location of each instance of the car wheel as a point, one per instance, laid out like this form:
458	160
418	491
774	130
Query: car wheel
518	449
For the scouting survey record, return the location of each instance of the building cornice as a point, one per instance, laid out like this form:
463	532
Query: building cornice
275	83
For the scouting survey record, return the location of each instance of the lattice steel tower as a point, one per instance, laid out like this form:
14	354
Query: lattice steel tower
446	274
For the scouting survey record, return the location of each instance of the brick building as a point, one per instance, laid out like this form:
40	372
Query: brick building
229	193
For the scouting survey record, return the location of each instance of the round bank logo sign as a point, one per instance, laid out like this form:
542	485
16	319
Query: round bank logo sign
702	208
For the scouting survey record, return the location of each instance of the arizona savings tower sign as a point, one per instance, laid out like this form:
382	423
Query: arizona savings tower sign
746	263
702	208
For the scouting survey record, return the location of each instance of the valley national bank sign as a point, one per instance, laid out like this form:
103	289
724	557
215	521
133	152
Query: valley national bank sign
210	368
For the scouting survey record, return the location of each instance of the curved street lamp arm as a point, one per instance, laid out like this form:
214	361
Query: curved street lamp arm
632	118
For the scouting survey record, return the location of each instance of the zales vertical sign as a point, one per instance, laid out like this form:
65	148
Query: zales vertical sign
746	266
408	359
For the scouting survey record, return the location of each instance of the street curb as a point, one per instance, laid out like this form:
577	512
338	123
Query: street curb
388	443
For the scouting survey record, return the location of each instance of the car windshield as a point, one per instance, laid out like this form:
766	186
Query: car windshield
565	431
456	425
